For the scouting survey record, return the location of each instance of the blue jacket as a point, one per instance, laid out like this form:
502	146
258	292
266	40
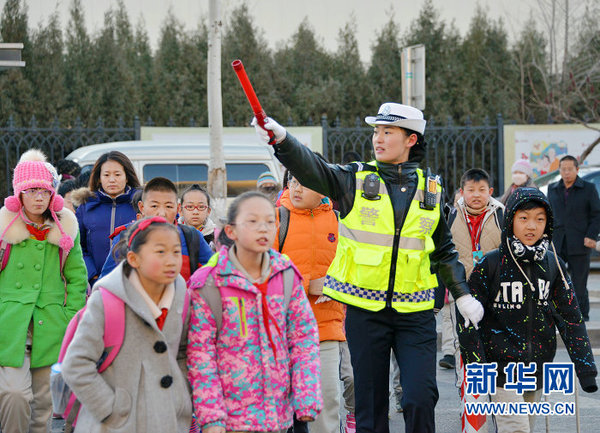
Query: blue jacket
98	217
203	252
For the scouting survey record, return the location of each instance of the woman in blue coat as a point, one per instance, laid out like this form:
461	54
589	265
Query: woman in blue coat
112	184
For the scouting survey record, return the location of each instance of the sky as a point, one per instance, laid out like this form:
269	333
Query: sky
279	19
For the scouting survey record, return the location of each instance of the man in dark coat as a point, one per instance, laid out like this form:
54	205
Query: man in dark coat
576	207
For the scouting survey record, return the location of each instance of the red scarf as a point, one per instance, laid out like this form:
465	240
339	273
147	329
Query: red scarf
38	234
267	316
475	228
160	321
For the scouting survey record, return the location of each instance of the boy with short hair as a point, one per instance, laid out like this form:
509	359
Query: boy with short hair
475	224
523	286
159	198
310	226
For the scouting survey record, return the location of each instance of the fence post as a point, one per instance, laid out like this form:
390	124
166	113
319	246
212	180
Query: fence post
324	127
500	144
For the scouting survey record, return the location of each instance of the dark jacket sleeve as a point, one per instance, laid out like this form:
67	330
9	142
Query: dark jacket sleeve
594	225
110	263
444	260
87	254
204	251
471	344
334	181
572	328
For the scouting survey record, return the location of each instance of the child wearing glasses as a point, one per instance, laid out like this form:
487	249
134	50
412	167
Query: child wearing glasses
42	285
159	198
195	211
259	363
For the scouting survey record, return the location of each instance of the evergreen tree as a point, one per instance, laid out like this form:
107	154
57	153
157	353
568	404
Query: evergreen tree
306	77
385	73
489	74
443	68
47	72
242	40
80	80
354	90
194	47
142	69
115	93
168	73
529	57
15	87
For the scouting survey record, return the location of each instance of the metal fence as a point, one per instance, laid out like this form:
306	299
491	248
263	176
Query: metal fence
55	141
451	149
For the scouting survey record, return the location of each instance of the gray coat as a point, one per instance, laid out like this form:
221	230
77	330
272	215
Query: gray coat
144	389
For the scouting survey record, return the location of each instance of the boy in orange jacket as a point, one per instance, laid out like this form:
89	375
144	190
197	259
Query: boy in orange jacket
308	234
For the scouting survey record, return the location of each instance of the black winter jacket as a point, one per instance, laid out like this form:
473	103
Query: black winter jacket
577	218
519	323
338	182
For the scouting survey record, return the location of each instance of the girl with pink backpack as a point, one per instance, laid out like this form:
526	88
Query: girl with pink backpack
144	389
256	364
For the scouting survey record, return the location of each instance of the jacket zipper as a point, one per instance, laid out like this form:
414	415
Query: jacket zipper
112	220
392	280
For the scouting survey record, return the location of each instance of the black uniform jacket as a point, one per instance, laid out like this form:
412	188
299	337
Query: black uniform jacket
338	182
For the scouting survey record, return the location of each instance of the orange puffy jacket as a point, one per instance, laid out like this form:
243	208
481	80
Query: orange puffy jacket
311	242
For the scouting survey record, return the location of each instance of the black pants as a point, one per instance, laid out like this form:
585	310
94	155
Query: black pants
413	339
579	270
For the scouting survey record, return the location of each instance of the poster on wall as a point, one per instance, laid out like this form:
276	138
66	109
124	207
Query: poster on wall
544	148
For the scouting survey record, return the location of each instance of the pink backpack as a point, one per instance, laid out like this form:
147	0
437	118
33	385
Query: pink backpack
114	333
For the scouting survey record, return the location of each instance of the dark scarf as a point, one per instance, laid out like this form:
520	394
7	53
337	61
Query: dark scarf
525	253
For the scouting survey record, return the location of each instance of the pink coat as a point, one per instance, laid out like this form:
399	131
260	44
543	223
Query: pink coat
237	381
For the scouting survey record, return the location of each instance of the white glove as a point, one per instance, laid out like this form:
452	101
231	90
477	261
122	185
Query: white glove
471	309
322	299
278	130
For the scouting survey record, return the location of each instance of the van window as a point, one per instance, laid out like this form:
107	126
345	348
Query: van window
240	177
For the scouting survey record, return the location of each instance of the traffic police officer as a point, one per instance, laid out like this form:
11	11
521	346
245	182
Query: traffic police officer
392	238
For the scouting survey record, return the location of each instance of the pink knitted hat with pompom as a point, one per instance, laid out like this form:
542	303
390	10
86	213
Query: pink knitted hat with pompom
34	171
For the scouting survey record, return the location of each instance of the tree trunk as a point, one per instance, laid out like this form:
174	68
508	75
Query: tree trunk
588	150
217	175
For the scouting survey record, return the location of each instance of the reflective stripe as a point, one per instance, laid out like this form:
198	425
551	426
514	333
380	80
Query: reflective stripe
364	237
378	295
380	239
420	195
360	182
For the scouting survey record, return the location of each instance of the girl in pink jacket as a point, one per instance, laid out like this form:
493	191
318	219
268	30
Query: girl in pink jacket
257	363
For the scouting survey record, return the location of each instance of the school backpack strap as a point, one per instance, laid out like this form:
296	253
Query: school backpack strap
192	240
4	253
284	223
288	286
114	328
212	296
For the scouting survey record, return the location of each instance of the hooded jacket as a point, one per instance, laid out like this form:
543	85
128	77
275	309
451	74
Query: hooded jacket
238	381
519	320
311	243
144	389
98	217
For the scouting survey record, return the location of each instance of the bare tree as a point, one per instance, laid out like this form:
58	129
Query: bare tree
571	93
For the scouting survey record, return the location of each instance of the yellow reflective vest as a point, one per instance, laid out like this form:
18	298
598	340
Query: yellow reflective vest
360	272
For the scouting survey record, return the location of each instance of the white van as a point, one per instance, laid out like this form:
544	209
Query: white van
186	162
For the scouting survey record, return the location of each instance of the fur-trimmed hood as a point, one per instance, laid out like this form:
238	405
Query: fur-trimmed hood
18	232
81	195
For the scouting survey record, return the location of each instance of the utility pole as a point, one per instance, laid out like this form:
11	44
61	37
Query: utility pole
217	175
